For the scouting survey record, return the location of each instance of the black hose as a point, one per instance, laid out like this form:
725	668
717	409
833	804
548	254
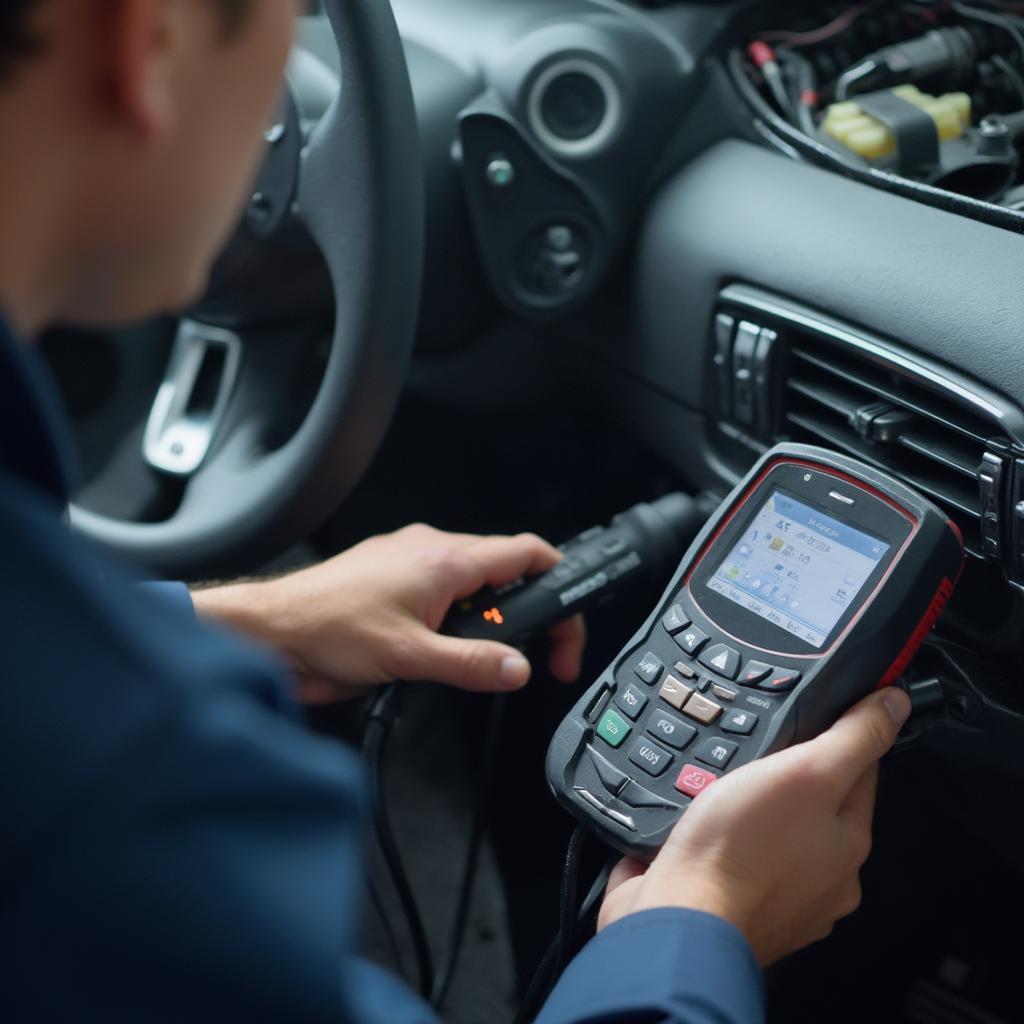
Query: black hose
776	131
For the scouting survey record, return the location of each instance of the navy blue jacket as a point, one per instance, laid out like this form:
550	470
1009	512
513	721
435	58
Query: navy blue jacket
176	846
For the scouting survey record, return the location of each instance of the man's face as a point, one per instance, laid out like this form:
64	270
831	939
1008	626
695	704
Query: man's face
165	199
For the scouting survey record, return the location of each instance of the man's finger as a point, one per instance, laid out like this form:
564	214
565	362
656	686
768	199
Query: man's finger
626	870
568	640
866	732
503	559
481	665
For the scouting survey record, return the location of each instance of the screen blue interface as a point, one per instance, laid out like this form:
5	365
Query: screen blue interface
798	567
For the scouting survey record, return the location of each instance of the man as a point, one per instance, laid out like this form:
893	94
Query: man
176	846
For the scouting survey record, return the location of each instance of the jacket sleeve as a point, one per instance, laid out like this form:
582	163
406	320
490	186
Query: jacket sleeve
666	966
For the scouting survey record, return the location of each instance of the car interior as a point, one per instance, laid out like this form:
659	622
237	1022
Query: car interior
523	265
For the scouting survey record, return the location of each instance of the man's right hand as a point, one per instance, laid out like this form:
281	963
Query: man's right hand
776	846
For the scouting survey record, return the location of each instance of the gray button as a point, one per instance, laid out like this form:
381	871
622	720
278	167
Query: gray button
671	731
691	640
740	722
632	701
675	619
648	668
717	752
649	756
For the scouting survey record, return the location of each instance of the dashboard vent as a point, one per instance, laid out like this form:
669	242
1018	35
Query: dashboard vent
945	436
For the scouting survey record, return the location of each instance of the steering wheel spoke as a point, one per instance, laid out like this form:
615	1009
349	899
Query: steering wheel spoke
191	401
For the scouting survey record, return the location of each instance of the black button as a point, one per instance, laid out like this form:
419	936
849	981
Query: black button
567	570
649	756
692	639
613	546
611	778
753	673
740	722
780	680
675	619
716	751
702	684
636	796
632	701
648	668
671	731
721	659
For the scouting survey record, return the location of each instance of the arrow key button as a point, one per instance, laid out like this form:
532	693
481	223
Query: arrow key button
722	660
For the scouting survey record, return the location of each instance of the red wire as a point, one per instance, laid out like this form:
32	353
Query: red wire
819	35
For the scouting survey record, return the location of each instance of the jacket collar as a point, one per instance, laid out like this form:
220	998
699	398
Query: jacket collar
35	437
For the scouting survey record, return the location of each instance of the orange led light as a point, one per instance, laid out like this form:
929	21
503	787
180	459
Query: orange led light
494	615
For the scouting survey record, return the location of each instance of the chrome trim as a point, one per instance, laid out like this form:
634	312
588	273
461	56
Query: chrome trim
176	440
605	131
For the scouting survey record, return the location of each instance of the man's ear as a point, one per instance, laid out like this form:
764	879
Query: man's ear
142	40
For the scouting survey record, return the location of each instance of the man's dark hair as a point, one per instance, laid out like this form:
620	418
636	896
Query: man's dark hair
17	40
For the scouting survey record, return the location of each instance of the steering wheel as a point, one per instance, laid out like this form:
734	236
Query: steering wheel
336	220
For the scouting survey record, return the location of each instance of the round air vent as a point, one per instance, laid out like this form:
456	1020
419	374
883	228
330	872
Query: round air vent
574	107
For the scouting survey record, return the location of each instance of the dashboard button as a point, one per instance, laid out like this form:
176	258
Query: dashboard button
691	640
721	659
780	680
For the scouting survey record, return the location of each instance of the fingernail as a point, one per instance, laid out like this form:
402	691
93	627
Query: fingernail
897	703
515	670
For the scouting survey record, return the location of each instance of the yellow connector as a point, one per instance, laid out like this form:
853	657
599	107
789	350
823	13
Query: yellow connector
871	139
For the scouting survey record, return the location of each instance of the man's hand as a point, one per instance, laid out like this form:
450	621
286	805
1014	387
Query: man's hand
370	615
776	846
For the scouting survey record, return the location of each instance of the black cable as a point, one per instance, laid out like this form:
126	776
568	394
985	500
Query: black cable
488	761
571	921
783	136
567	908
383	714
991	18
385	924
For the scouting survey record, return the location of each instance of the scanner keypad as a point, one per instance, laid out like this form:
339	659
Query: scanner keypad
706	698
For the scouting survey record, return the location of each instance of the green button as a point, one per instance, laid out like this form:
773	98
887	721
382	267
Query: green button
613	728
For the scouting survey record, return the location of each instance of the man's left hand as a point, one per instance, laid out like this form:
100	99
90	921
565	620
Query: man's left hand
370	615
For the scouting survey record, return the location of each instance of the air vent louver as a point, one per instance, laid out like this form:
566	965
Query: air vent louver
860	395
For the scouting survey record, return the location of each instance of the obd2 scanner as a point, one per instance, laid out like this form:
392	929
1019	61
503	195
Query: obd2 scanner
815	582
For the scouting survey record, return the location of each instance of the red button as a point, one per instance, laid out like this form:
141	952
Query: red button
780	680
693	780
